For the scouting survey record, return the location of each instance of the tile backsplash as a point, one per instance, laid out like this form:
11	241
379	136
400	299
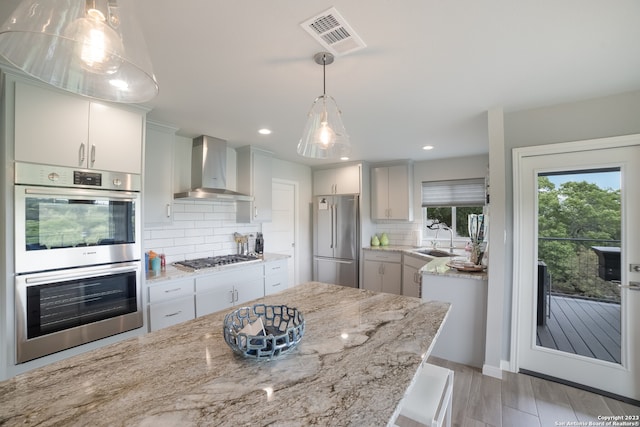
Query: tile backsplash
399	233
199	229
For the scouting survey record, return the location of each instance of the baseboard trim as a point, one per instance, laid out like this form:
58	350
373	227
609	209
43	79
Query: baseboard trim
581	387
492	371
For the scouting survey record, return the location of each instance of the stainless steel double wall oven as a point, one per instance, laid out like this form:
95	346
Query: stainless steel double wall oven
77	257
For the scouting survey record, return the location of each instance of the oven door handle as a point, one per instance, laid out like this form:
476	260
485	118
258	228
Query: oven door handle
75	274
121	195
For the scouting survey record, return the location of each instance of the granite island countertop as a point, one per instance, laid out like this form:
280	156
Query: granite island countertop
359	354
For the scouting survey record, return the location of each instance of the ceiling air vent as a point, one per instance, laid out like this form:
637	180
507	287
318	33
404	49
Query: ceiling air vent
331	30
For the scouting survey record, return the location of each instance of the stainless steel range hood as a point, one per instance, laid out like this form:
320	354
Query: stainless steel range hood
209	172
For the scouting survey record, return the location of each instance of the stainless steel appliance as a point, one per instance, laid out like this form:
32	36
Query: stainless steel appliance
336	239
61	309
66	218
216	261
77	257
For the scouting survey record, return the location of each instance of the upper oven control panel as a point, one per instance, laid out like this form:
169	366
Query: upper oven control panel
60	176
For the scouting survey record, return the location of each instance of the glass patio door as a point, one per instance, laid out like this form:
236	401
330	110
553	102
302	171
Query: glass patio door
577	310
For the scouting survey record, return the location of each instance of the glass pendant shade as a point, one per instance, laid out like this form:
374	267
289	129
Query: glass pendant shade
89	47
324	136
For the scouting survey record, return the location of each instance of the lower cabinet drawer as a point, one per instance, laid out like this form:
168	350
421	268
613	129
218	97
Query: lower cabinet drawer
172	290
275	282
164	314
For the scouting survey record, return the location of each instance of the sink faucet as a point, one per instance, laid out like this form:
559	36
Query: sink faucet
450	237
437	225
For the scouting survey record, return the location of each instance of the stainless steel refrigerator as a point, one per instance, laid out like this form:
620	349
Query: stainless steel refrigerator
336	239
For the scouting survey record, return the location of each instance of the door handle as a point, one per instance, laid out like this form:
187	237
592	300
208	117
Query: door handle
93	154
634	286
81	154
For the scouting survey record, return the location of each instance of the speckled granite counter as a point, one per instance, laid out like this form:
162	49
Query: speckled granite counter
172	272
439	267
360	352
436	265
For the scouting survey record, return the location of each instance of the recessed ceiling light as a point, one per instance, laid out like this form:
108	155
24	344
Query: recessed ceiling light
344	158
427	147
264	131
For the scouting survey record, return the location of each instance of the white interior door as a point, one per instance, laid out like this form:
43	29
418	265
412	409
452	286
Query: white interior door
280	233
620	378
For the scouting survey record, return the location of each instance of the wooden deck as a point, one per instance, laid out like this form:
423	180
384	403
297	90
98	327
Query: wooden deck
582	327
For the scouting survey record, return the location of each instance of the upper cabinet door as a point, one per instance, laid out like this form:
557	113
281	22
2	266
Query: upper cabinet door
391	192
254	176
343	180
379	193
66	130
115	139
50	127
348	180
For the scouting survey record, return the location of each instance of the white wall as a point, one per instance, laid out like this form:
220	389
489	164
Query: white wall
594	118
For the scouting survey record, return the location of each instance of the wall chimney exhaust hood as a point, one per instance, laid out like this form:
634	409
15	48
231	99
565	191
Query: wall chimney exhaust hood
209	172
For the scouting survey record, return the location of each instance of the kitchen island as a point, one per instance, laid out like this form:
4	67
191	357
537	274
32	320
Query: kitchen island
359	354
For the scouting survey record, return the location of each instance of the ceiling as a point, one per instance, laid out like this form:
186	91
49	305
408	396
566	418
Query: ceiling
428	74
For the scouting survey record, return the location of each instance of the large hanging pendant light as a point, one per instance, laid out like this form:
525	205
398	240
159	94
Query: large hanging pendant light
324	136
89	47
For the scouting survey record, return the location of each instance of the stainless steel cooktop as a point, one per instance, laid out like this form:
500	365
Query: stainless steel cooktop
215	261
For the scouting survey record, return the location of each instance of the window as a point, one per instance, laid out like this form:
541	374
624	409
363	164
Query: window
451	202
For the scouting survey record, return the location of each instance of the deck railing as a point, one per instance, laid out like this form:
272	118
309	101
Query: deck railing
576	269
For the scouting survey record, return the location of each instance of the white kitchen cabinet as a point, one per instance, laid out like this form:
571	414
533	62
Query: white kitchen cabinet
66	130
411	277
253	175
392	192
342	180
462	338
170	303
158	174
226	289
275	276
383	271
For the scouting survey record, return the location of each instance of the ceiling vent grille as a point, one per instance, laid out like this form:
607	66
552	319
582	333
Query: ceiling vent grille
333	32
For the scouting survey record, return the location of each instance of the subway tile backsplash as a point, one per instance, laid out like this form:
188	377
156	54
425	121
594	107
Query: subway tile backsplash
199	229
399	233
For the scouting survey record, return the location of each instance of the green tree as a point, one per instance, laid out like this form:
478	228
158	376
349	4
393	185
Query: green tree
571	219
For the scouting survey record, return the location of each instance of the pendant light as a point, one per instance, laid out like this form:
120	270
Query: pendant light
89	47
324	136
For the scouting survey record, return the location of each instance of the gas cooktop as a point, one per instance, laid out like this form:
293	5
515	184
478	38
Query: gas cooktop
213	261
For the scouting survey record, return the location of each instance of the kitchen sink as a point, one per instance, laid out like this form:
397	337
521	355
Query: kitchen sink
435	253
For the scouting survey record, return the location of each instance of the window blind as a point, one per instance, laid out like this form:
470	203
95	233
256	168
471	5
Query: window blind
457	192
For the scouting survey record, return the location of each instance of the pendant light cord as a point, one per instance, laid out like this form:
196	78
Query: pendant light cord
324	75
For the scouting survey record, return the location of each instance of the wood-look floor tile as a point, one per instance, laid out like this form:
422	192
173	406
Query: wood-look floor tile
587	406
621	408
485	401
470	422
512	417
552	402
517	393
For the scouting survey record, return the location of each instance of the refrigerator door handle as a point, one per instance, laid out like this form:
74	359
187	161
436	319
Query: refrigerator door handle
335	238
332	225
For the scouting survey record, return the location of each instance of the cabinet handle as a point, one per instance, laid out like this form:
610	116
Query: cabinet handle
276	284
231	295
173	314
81	154
168	210
235	293
171	290
255	212
275	268
93	154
